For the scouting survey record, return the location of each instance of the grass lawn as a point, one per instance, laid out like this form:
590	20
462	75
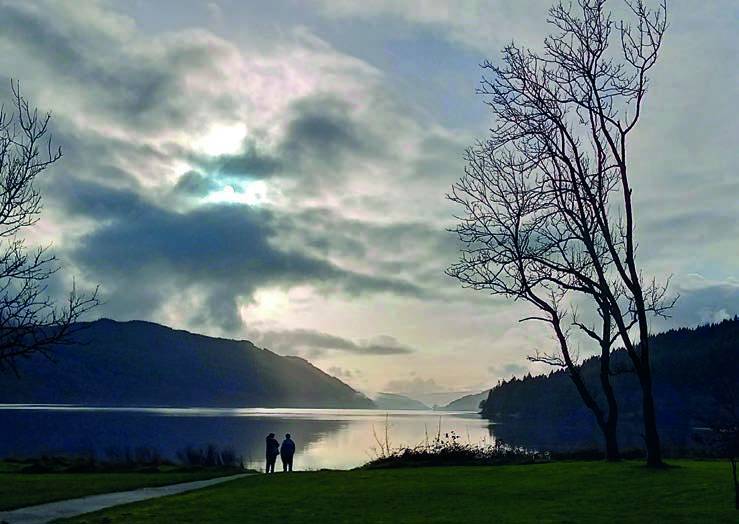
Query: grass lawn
587	492
27	489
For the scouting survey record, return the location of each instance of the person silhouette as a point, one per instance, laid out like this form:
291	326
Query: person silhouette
287	450
272	451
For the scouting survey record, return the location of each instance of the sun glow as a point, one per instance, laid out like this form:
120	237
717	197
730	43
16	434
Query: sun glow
221	140
251	193
272	308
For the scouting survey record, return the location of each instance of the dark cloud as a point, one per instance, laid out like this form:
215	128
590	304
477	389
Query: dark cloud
141	252
321	137
250	163
302	340
417	250
196	184
385	345
128	82
323	127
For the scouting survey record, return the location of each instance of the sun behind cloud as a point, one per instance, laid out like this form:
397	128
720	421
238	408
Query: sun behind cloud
249	193
221	139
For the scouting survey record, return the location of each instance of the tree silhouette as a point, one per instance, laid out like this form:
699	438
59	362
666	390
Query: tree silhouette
30	321
548	215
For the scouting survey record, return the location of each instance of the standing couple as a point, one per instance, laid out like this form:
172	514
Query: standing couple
285	451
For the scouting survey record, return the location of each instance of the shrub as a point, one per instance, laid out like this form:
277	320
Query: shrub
450	450
210	456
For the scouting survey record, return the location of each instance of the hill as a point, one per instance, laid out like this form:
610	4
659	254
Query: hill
395	401
688	366
145	364
466	403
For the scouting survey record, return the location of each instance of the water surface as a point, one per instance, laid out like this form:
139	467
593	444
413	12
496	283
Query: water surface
325	438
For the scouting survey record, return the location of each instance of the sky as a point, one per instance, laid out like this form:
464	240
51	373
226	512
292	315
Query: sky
277	171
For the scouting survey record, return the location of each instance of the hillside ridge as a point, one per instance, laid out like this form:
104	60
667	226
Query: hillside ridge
138	362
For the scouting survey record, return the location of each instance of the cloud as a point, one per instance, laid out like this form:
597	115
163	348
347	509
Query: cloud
413	250
215	11
308	340
681	154
322	135
414	386
223	252
323	125
340	372
508	370
701	301
250	163
340	165
130	200
195	184
127	82
476	24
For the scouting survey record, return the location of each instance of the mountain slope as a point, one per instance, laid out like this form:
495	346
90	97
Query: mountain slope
395	401
467	402
142	363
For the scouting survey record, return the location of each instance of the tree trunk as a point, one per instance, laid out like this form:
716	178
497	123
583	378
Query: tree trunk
612	452
610	426
651	436
736	484
611	422
607	426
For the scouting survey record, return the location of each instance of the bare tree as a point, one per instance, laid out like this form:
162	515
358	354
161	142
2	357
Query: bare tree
30	321
559	144
516	246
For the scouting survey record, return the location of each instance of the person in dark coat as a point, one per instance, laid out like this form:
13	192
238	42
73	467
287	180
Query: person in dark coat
287	450
273	449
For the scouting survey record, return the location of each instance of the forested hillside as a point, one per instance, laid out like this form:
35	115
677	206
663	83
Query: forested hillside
689	366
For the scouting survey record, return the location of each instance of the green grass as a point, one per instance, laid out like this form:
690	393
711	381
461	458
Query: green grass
27	489
588	492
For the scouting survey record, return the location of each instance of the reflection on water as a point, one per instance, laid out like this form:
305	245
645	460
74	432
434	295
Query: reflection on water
325	438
